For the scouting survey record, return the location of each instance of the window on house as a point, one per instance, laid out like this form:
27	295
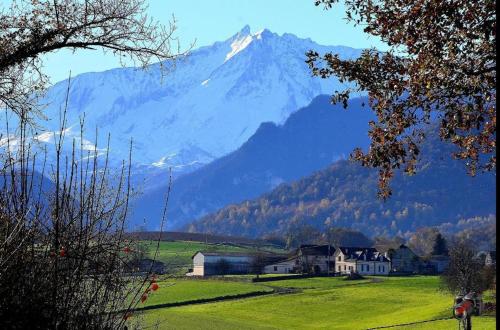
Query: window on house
362	268
339	268
367	268
275	268
345	267
340	258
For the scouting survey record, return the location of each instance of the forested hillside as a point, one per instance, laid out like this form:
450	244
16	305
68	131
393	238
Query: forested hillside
344	195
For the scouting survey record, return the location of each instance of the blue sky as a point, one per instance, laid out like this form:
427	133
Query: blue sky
207	21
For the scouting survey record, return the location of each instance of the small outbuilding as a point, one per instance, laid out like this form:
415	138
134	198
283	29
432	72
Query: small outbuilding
220	263
287	266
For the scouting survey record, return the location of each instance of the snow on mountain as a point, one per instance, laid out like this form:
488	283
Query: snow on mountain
208	105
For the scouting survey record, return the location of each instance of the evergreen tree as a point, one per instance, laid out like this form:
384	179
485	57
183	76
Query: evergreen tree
440	246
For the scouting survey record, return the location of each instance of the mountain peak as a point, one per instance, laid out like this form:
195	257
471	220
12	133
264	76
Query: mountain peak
259	76
245	30
262	33
240	41
243	38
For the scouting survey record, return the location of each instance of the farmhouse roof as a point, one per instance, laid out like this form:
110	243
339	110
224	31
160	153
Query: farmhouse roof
282	260
359	253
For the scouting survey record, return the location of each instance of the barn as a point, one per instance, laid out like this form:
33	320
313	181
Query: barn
220	263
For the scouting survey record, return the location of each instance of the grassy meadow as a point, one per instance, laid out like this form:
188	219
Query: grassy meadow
181	290
318	303
312	303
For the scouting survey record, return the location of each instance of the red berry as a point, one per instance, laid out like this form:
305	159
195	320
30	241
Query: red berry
62	253
126	249
154	287
144	297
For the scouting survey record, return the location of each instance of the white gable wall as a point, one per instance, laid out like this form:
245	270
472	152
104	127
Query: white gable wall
198	264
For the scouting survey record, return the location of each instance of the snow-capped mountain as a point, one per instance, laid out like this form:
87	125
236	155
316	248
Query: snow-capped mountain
204	108
310	139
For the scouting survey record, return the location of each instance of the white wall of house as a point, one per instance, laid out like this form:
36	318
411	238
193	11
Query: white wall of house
347	266
382	268
366	268
342	265
285	267
198	264
362	267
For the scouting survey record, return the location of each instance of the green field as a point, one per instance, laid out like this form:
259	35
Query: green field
177	254
319	303
185	290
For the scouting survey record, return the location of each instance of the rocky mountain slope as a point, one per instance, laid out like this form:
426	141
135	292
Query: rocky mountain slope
208	105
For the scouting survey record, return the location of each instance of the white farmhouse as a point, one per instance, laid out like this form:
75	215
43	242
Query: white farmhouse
364	261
